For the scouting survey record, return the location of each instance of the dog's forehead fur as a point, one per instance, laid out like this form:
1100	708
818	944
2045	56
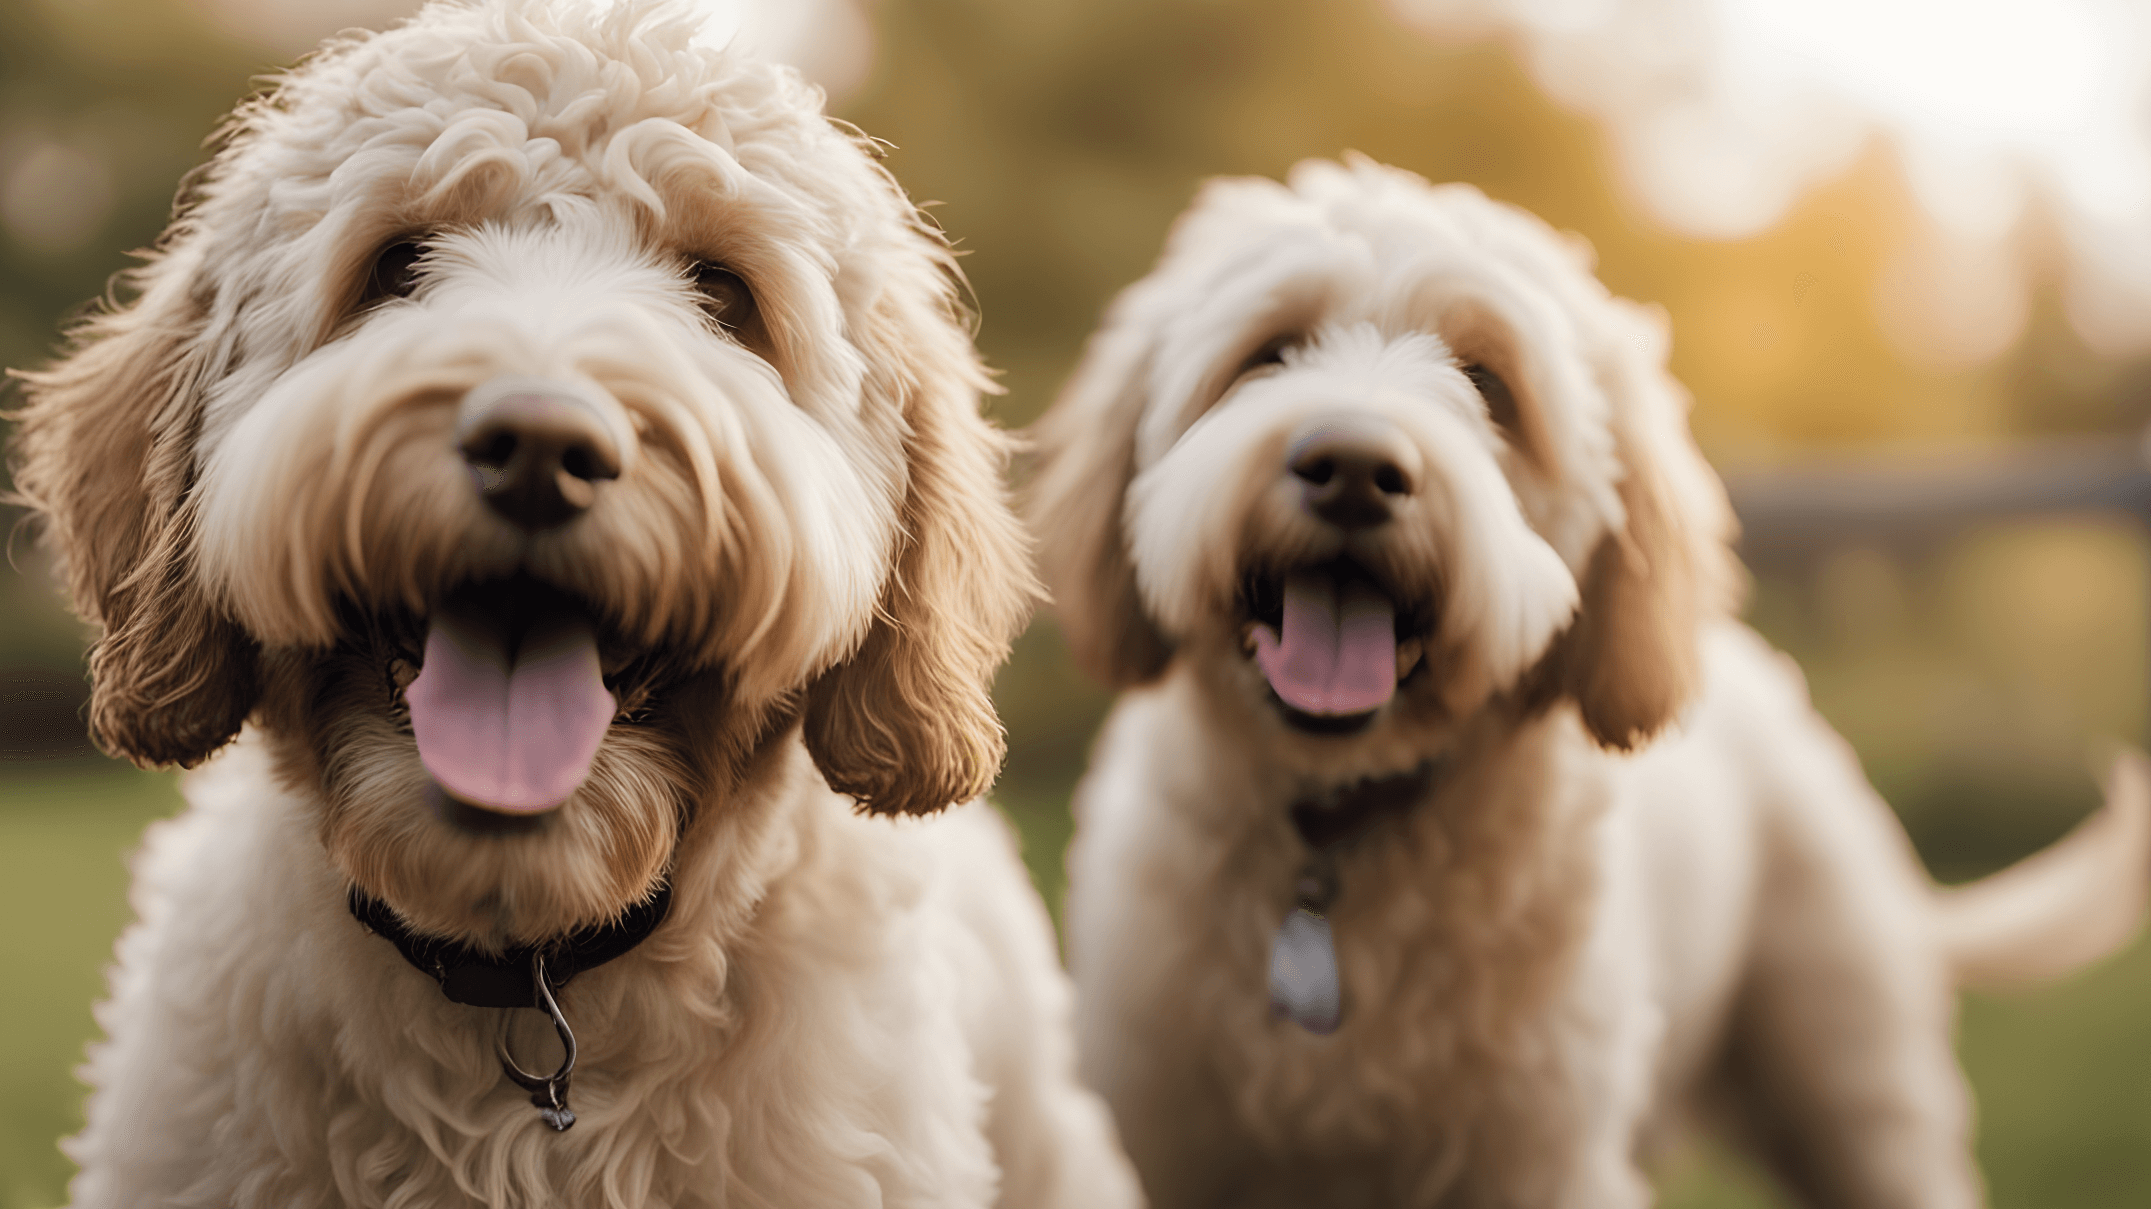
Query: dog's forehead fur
530	106
538	114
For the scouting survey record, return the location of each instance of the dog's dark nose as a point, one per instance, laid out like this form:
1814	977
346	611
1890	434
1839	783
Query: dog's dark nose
537	453
1353	470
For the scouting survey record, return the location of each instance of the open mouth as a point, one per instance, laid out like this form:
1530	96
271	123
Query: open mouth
511	703
1332	643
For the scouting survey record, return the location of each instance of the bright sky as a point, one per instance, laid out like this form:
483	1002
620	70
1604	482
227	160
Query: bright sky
1725	111
2054	84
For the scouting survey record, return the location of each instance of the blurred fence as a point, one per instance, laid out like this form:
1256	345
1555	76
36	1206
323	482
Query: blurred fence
1793	517
1789	516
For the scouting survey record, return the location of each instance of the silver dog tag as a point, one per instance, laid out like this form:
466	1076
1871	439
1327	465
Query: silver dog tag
1304	986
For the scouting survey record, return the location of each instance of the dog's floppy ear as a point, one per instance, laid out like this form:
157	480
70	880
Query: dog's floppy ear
105	456
1631	659
906	725
1075	502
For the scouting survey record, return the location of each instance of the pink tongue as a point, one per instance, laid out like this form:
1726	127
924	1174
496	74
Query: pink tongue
515	736
1337	656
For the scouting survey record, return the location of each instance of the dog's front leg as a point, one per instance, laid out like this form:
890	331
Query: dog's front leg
1555	1150
1562	1131
1553	1153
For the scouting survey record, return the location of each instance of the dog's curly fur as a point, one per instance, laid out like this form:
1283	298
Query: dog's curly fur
1576	937
804	576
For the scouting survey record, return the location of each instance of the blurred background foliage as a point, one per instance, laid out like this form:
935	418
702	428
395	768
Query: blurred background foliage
1057	139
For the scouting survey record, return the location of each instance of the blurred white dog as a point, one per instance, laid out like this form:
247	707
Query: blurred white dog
1392	514
552	448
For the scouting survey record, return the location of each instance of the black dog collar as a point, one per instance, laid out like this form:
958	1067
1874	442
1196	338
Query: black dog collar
1342	814
527	976
481	979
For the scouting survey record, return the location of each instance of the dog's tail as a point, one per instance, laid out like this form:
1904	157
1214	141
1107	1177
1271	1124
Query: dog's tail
2061	908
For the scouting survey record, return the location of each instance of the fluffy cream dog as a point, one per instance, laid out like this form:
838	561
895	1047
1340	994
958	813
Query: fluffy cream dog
551	449
1391	513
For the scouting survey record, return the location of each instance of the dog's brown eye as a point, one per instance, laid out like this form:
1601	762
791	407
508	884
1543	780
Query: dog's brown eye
394	273
725	296
728	300
1500	401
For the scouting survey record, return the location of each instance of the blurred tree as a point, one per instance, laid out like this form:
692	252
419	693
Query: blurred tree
1064	136
104	105
129	90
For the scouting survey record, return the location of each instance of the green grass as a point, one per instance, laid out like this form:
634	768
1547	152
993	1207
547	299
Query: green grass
2063	1075
2064	1082
1041	819
65	832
